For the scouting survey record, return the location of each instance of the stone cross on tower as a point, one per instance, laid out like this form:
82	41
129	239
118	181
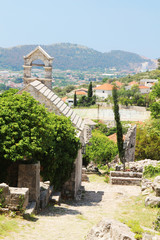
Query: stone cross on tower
36	54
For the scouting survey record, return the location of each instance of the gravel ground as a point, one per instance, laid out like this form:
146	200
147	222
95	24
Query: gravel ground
72	220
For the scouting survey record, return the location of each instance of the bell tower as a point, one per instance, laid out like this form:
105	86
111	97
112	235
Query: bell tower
38	54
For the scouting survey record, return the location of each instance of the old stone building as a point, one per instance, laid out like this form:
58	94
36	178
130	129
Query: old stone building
41	90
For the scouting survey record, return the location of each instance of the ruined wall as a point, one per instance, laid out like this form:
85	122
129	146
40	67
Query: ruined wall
129	144
54	104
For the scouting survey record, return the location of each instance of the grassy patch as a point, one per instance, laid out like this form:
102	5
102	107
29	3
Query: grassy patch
135	209
7	225
81	217
96	178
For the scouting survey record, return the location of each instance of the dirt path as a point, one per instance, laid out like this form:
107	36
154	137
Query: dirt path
73	220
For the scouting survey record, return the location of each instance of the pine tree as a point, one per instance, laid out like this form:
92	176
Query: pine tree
90	91
75	99
118	125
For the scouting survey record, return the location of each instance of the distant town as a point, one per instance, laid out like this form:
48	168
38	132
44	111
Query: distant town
14	79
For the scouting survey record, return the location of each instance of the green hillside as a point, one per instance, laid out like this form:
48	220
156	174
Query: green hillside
73	56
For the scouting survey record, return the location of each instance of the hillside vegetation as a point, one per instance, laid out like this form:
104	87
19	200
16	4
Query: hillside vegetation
74	57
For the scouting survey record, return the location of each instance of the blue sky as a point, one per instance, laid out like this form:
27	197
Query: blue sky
104	25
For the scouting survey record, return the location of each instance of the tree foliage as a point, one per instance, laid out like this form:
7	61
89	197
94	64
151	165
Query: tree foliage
148	141
86	101
28	130
100	150
118	124
155	96
90	91
75	99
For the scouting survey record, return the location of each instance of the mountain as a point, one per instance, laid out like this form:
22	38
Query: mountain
74	57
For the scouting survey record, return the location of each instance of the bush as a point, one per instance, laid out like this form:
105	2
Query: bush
157	222
100	149
151	171
148	141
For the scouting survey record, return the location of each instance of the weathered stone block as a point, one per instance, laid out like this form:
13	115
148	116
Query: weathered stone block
4	194
152	201
29	176
125	181
45	192
19	198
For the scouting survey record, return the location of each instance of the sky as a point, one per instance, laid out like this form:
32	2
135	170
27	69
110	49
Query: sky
104	25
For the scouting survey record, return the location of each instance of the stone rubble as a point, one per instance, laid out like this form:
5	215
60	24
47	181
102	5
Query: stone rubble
109	229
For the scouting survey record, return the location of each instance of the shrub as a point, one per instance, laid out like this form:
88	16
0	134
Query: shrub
100	149
151	171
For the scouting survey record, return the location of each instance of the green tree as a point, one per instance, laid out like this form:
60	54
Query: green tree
90	91
158	63
118	125
100	150
75	99
28	130
148	141
155	97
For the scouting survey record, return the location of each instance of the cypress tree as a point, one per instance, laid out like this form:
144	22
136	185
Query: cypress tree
90	91
118	125
75	99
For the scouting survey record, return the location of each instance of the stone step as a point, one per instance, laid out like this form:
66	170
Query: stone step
125	181
30	209
55	198
126	174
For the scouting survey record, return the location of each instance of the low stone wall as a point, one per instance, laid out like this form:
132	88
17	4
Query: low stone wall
126	174
125	178
13	198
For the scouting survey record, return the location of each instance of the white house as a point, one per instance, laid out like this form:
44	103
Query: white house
144	89
104	90
148	82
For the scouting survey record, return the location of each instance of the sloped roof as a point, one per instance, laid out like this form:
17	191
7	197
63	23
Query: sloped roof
105	86
80	92
64	99
41	50
119	84
38	90
113	137
141	87
133	83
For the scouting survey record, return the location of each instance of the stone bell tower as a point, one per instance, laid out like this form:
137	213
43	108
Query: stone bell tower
36	54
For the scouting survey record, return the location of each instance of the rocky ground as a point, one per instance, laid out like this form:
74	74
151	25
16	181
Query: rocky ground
73	220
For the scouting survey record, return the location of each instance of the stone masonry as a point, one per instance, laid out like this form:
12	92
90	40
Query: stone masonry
125	178
41	90
13	198
129	144
29	176
38	54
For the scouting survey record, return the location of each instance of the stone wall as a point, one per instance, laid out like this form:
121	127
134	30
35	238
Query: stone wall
129	144
55	104
72	186
13	198
29	176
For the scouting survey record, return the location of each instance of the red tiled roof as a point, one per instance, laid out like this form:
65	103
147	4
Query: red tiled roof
64	99
81	93
133	83
119	84
113	137
105	86
141	87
